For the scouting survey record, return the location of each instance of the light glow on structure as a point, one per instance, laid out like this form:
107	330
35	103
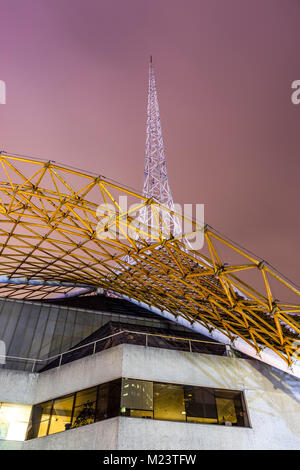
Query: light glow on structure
14	420
156	183
53	241
48	233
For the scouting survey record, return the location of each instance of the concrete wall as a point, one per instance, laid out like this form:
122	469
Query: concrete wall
11	445
17	387
148	434
84	373
28	389
272	397
97	436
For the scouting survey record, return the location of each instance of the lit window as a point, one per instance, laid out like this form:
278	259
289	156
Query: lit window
14	421
231	408
169	402
200	405
61	414
138	399
85	407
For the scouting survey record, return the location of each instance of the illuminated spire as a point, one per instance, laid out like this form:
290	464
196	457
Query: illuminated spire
156	184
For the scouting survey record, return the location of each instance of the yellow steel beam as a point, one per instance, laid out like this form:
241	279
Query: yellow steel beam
49	230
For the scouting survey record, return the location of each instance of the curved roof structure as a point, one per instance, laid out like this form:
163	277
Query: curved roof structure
54	237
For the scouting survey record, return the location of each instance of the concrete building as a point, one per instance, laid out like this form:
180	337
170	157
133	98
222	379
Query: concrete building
135	381
155	371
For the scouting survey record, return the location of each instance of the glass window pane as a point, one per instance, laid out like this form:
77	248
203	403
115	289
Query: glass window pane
194	402
85	396
108	401
226	411
40	416
61	414
139	414
14	421
200	405
210	408
137	394
85	407
169	402
230	408
168	343
42	428
136	398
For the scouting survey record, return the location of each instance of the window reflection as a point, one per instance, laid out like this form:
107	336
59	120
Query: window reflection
200	405
231	408
144	399
85	407
39	422
138	399
13	421
61	414
108	402
169	402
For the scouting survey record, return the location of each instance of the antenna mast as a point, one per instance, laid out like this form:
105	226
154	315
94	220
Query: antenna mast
156	184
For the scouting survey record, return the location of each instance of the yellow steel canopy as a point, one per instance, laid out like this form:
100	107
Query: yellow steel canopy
49	232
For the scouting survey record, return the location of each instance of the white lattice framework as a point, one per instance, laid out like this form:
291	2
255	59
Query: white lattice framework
156	184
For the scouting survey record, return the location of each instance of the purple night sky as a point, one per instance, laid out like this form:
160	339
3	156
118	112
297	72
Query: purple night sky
77	74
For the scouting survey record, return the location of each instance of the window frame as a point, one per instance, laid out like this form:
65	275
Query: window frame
119	382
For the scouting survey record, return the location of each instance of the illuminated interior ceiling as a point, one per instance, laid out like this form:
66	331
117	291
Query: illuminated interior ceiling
50	243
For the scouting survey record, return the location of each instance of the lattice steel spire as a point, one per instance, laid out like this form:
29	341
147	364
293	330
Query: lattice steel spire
156	184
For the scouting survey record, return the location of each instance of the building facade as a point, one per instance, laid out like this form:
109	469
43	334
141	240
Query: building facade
137	382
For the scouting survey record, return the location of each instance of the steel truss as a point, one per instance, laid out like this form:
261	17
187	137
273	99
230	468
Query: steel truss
50	231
